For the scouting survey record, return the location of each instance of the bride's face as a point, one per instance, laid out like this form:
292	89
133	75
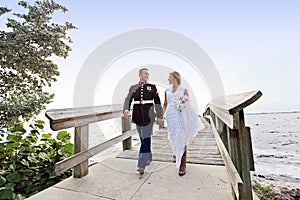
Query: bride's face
171	79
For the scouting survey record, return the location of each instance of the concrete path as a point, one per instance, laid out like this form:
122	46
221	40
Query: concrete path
116	178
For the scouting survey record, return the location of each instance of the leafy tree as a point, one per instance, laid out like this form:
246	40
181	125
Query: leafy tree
27	45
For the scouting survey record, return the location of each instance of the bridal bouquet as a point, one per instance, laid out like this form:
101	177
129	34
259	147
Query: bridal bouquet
180	103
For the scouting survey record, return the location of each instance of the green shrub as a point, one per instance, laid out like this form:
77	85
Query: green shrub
263	192
27	159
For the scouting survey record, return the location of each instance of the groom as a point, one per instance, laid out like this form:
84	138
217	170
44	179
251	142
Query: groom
142	96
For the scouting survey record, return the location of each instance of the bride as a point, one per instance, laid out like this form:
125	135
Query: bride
183	121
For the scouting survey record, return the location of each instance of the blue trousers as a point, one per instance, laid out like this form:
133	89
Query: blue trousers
145	153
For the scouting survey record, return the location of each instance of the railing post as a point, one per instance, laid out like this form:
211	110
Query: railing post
213	116
244	152
81	144
233	146
126	126
221	128
250	152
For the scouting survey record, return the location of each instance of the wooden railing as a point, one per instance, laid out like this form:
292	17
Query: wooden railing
226	116
80	118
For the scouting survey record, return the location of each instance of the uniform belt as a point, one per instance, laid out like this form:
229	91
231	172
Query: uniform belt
143	102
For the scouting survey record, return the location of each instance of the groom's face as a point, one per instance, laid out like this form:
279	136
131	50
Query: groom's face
144	75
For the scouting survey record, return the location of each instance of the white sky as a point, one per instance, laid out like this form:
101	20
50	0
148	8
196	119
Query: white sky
253	44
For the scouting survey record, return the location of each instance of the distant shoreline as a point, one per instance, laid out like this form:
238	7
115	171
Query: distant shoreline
265	113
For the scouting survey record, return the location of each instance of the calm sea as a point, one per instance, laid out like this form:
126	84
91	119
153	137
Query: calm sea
276	146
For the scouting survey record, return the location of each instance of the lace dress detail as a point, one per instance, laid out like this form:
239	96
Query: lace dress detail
182	126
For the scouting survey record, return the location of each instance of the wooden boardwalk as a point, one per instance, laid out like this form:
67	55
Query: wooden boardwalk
202	149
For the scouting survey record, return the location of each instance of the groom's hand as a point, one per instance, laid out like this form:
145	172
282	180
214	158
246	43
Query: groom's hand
159	121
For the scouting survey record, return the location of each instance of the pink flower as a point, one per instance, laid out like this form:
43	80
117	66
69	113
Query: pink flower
180	103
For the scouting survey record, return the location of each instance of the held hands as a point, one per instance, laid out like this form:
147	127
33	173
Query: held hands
126	113
159	121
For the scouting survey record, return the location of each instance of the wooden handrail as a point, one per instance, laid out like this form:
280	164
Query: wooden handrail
80	118
76	117
226	116
234	177
226	107
236	102
78	158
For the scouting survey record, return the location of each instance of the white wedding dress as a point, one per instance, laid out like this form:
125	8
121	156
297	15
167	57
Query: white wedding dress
182	126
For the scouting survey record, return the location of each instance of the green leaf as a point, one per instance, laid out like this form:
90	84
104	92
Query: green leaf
46	135
43	156
10	146
32	158
13	177
267	188
63	136
20	185
257	184
18	128
19	197
3	172
40	122
34	133
31	139
25	162
50	183
52	175
11	185
40	126
14	138
6	192
69	149
31	188
11	138
12	166
2	180
37	177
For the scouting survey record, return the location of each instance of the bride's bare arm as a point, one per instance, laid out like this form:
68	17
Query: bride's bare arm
165	104
186	92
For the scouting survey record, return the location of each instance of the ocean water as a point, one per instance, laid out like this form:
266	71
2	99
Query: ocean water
276	147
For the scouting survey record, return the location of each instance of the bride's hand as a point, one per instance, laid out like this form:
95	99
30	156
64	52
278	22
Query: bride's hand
159	121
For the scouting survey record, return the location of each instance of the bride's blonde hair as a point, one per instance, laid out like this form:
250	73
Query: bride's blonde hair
177	76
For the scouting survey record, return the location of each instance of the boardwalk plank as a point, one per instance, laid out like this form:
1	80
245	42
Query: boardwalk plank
202	149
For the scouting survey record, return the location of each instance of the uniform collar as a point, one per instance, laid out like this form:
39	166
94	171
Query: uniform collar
142	83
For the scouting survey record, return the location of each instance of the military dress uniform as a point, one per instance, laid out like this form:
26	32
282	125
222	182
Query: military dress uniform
146	107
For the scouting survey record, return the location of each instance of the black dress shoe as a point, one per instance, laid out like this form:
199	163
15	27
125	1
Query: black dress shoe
141	170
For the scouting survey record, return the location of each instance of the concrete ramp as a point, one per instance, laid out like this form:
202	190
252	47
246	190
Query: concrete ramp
116	178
